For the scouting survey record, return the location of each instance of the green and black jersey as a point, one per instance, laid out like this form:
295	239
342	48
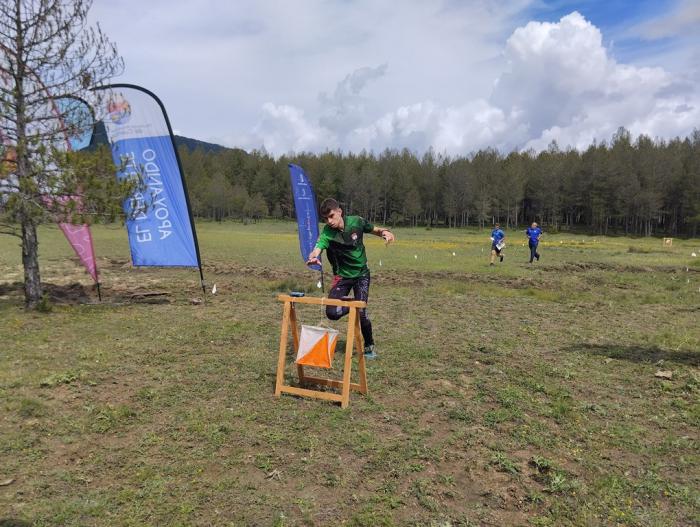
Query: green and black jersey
345	249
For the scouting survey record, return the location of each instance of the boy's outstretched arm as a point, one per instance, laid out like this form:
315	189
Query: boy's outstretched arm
313	257
384	233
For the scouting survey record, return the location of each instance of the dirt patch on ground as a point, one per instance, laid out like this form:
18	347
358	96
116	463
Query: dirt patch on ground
75	294
11	289
68	294
405	277
114	263
582	267
410	277
267	273
142	297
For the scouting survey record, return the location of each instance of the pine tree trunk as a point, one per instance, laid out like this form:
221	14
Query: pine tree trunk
30	260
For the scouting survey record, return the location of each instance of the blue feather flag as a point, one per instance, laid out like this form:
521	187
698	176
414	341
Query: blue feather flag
305	208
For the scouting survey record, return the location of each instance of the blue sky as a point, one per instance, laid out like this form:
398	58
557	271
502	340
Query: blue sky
616	19
453	75
608	15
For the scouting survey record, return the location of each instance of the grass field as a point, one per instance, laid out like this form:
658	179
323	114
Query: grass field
509	395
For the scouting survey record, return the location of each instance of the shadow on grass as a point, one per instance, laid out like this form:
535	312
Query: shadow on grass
637	353
12	522
60	294
76	294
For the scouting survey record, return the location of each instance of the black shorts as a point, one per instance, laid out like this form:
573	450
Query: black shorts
494	248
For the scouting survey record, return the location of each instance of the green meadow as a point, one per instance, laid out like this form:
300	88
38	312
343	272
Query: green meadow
562	393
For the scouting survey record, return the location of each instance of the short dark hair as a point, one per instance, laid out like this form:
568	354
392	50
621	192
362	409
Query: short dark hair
328	205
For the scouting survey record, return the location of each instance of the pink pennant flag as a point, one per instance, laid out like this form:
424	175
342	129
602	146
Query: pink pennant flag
80	238
75	112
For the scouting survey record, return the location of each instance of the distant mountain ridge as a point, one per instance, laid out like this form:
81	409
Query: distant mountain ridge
194	144
99	137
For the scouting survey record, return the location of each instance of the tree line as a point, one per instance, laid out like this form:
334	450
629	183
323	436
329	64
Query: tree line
636	187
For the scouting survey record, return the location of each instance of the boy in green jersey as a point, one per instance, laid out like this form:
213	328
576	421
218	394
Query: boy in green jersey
341	238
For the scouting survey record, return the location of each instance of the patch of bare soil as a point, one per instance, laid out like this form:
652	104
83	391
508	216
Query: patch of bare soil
11	288
582	267
74	293
122	295
114	263
231	270
266	273
148	297
407	277
410	277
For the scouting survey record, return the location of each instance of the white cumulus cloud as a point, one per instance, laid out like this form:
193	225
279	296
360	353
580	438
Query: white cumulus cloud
284	128
454	129
565	86
559	83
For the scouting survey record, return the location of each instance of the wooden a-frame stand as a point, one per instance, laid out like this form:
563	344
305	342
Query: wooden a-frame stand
354	341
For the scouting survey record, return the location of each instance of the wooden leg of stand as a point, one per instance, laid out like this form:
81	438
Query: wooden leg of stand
359	344
295	340
348	357
283	349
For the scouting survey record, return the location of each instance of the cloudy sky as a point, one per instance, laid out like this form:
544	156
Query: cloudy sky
455	75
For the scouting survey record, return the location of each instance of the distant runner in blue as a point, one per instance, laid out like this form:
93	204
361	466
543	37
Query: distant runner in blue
498	243
533	235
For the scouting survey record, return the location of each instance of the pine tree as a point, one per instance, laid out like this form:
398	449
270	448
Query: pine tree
48	52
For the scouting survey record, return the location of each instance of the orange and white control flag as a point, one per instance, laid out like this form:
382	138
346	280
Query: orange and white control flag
316	346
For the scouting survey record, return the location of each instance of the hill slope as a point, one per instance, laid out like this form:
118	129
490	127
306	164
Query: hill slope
99	137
